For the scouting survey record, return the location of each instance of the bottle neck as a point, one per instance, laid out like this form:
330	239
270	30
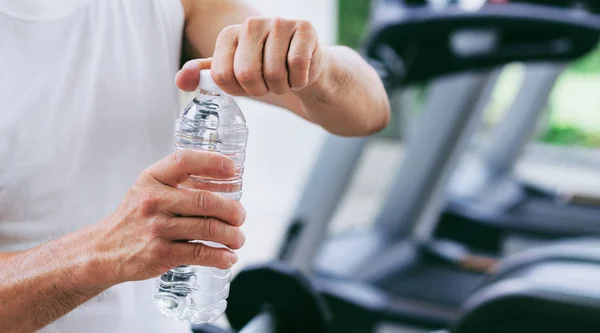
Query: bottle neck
218	94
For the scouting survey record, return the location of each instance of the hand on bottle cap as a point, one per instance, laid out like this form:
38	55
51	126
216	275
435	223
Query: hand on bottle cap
207	83
187	78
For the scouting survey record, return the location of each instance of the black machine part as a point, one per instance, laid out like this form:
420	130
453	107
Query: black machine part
283	292
580	250
589	5
208	328
534	213
549	289
425	289
414	44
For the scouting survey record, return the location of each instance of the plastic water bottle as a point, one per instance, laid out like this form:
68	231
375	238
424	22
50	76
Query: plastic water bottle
213	122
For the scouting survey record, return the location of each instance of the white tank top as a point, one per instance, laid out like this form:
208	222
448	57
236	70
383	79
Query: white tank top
87	101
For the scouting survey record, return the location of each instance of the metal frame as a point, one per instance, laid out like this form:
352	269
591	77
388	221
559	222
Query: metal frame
417	182
322	194
442	138
416	196
512	134
488	178
417	193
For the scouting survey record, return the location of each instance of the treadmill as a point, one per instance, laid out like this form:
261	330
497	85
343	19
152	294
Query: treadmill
398	271
486	194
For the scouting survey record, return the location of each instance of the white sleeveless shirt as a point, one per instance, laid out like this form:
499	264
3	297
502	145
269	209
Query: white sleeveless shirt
87	101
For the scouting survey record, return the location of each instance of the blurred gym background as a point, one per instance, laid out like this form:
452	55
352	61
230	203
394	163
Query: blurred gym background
282	148
562	154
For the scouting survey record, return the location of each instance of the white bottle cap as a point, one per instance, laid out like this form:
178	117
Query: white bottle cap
207	83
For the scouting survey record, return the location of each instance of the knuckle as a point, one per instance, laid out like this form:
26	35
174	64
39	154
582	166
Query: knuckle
214	228
275	74
147	202
204	199
252	23
212	160
220	259
223	77
157	249
180	158
229	32
248	75
145	175
298	60
132	194
157	226
304	25
203	253
280	23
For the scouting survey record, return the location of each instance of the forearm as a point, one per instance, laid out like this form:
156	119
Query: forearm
141	239
349	99
42	284
6	255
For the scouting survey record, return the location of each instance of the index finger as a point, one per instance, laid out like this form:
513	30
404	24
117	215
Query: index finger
180	165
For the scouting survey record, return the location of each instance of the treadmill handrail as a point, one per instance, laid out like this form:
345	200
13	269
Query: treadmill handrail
422	37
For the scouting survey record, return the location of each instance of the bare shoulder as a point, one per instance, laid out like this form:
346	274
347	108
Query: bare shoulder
187	7
205	19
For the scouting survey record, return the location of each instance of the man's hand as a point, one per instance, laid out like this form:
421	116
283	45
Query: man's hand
147	234
261	56
281	62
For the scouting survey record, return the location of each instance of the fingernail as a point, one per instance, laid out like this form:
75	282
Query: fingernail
228	166
297	88
233	258
192	64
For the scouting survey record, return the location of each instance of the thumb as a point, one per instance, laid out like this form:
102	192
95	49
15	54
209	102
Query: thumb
187	77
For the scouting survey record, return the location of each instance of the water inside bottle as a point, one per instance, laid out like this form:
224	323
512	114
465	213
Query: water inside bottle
211	122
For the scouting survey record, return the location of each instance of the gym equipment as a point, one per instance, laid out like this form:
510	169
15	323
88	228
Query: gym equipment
461	38
392	272
398	271
285	292
484	191
550	289
388	273
273	298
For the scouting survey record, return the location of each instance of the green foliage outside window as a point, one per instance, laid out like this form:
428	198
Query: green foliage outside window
353	21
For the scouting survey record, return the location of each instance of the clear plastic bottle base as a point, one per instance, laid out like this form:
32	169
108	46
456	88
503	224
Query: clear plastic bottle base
193	294
176	308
